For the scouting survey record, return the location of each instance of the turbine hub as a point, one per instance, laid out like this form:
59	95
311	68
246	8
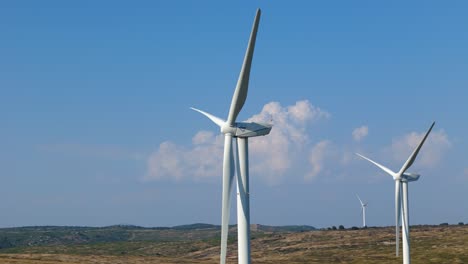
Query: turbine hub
227	129
397	177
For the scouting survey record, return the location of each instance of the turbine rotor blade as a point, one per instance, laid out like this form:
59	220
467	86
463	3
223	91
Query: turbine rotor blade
397	215
213	118
240	94
360	200
413	155
228	177
387	170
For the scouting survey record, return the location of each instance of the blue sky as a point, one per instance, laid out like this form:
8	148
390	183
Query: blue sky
95	99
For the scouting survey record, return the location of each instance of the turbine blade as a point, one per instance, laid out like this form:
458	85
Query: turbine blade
387	170
240	94
413	155
220	122
362	204
228	177
397	215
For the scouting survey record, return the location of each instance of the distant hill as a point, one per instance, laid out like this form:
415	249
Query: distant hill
196	226
71	235
288	228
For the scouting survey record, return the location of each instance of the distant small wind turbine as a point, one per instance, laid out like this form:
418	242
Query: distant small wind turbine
401	179
241	131
363	211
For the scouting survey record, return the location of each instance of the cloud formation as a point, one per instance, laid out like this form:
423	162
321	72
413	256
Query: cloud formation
317	158
360	133
202	159
431	153
270	156
287	150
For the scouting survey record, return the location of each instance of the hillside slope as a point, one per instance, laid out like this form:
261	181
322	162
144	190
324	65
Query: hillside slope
430	244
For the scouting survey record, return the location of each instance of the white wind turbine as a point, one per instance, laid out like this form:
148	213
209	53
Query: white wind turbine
401	183
240	131
363	211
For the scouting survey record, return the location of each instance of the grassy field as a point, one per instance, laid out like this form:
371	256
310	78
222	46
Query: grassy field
430	244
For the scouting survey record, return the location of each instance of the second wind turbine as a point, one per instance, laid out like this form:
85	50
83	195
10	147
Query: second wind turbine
363	211
402	178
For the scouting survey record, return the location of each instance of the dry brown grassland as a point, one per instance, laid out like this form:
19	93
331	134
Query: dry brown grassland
430	244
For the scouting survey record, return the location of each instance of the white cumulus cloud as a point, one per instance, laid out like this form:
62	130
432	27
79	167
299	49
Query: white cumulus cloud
328	159
360	133
270	156
318	156
202	159
431	153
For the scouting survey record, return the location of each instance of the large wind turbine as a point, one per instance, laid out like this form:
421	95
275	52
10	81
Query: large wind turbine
401	185
240	131
363	211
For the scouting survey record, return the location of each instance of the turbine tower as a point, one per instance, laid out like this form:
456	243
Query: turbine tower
240	132
401	179
363	211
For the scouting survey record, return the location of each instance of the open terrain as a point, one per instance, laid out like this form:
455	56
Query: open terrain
200	244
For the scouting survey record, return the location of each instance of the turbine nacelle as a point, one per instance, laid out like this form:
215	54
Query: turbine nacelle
409	177
406	177
247	129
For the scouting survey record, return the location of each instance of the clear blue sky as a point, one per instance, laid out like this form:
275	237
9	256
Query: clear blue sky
92	91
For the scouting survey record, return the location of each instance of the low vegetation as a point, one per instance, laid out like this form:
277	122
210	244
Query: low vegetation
199	243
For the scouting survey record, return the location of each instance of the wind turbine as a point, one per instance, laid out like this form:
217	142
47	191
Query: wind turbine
363	211
401	179
240	131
